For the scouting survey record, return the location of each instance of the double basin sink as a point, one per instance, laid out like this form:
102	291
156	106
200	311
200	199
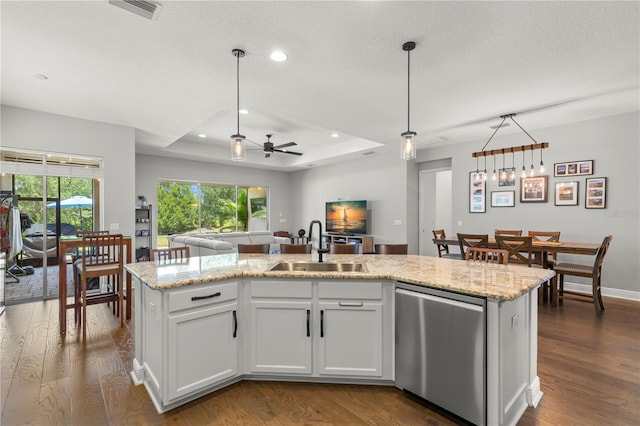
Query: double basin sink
319	267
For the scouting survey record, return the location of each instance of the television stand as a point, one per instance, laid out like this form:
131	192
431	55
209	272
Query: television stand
365	241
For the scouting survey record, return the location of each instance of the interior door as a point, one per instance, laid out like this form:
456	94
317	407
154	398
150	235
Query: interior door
435	207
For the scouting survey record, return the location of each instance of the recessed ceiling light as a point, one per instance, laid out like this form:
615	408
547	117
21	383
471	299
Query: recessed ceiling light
278	56
40	76
202	135
334	135
243	111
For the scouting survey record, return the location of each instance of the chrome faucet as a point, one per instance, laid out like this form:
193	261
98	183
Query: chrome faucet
320	249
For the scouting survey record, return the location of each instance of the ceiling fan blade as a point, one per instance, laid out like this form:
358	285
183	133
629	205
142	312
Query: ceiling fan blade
255	143
284	145
284	151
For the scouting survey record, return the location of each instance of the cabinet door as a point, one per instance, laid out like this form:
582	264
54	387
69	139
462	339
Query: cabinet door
280	337
350	338
202	349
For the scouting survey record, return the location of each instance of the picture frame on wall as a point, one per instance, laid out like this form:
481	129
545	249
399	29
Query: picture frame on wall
566	194
503	198
507	176
596	193
477	192
533	189
573	168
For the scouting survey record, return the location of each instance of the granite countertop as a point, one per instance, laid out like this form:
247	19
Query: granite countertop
507	282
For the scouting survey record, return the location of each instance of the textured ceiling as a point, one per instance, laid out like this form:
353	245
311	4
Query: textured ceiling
174	77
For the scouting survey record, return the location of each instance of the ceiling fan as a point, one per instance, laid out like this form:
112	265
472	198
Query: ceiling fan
268	147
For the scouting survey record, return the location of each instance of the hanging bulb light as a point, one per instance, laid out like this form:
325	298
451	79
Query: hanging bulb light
494	175
532	171
484	172
408	138
524	170
476	176
503	172
238	141
512	172
541	163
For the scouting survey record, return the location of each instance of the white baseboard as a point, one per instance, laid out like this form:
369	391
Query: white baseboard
609	292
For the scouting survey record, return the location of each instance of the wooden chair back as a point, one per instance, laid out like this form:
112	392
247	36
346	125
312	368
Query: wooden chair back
343	248
472	240
295	248
516	246
172	255
439	234
511	232
553	236
253	248
487	255
391	248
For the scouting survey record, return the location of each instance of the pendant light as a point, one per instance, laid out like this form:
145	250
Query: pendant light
238	141
408	138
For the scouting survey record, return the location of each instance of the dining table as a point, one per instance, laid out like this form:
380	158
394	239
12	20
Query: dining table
541	247
66	243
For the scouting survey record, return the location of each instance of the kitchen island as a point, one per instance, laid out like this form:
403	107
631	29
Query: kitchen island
208	323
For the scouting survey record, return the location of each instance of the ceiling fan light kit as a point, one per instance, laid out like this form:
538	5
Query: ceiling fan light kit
408	138
238	141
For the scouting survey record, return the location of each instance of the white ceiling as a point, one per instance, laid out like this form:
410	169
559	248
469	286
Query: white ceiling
175	77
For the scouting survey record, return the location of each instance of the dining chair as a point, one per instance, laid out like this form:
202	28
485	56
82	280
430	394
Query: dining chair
511	232
170	255
103	256
391	248
472	240
443	249
552	236
295	248
516	246
579	270
487	255
343	248
253	248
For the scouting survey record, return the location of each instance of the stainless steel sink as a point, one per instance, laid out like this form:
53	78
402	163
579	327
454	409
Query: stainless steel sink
320	267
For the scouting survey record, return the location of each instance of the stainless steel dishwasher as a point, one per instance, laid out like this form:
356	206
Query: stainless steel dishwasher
440	349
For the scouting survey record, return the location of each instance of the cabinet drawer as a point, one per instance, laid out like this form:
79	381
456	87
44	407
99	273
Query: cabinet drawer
350	290
202	296
280	289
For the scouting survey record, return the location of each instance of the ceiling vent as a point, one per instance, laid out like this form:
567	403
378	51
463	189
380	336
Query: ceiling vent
145	8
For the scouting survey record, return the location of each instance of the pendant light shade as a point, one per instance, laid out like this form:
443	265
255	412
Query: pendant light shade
408	138
238	141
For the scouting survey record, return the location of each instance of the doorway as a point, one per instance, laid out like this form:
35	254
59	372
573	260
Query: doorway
435	192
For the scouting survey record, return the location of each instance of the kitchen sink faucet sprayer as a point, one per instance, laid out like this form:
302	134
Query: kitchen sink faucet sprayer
320	249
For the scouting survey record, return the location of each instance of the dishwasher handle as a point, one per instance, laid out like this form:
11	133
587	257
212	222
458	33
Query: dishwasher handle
439	299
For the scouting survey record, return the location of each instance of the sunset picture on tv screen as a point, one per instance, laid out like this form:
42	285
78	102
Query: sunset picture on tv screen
346	217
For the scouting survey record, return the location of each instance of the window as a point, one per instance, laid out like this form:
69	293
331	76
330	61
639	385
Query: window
191	207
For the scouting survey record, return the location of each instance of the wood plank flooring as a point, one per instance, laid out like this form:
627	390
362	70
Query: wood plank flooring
589	368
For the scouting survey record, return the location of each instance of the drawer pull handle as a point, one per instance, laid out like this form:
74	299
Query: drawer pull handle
308	321
322	323
235	324
194	298
355	304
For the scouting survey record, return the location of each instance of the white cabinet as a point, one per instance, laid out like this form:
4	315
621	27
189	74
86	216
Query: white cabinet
351	328
350	338
280	327
203	348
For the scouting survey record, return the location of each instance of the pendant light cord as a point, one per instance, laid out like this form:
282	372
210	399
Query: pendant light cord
527	133
408	88
238	92
494	132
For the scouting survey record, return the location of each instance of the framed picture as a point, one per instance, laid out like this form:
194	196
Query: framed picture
477	192
566	194
573	168
503	198
533	189
507	177
596	193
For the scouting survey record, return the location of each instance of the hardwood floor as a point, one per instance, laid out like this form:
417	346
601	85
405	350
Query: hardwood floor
589	368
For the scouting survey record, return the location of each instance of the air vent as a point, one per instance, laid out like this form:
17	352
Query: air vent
145	8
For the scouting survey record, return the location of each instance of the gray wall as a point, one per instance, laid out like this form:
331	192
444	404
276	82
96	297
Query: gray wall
151	169
613	143
34	130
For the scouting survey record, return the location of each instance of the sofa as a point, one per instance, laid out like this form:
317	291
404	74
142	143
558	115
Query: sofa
206	244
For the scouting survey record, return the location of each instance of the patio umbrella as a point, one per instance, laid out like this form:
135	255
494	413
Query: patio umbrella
78	201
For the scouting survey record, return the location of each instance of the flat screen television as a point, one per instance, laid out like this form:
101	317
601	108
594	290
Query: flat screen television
346	217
